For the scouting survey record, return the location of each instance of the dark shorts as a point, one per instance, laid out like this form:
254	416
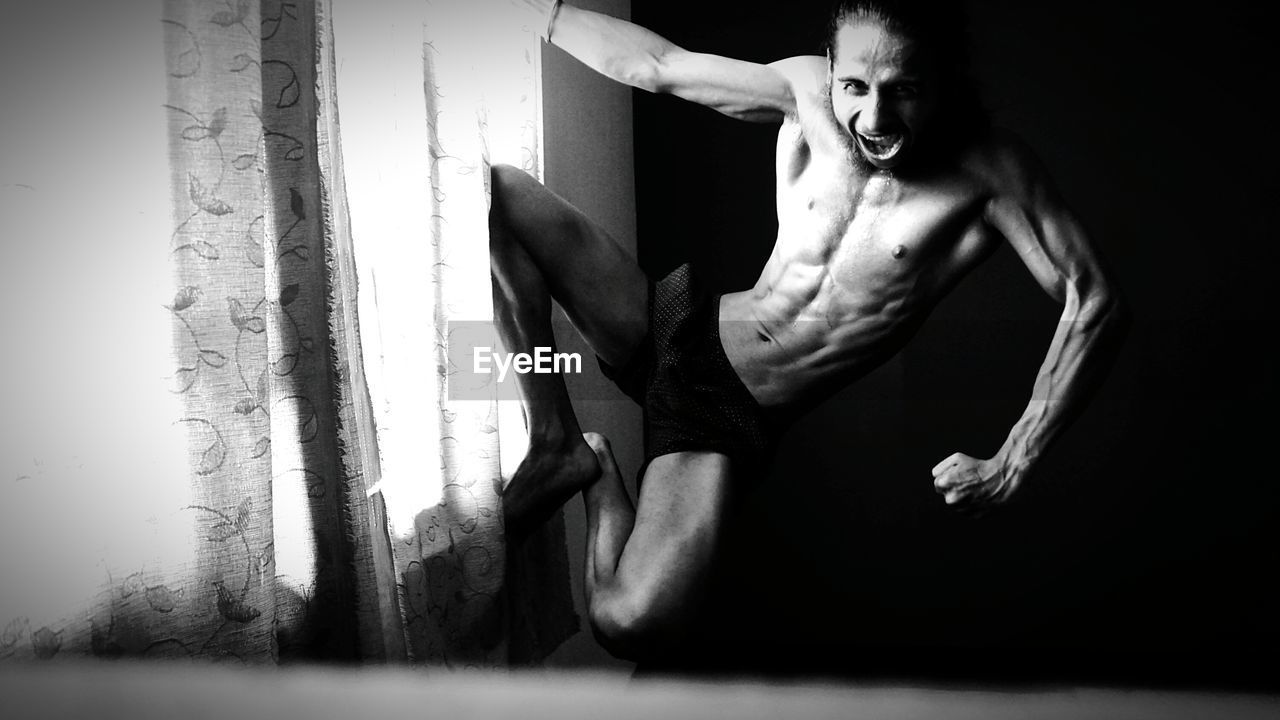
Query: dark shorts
692	397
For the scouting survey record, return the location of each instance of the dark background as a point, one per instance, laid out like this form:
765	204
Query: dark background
1143	551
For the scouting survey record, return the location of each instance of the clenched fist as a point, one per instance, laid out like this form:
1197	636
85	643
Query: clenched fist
971	485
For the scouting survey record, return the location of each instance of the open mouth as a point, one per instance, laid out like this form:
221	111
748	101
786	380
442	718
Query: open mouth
881	147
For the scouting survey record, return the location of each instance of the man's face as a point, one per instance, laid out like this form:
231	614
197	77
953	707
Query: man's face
883	91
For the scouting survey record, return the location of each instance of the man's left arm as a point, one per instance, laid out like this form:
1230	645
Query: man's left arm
1028	212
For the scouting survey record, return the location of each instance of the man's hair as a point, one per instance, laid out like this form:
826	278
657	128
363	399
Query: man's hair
939	25
941	28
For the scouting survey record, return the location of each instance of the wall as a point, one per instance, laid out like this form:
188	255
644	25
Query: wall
1138	552
587	160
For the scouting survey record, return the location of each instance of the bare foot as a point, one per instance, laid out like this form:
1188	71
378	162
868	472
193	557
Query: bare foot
549	475
608	489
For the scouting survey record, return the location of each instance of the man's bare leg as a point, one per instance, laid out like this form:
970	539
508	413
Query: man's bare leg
645	569
539	247
610	519
558	463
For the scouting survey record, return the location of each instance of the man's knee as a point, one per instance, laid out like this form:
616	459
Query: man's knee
509	181
518	200
505	185
633	625
502	180
502	172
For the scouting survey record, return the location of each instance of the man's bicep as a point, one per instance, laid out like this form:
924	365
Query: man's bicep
737	88
1032	216
1049	239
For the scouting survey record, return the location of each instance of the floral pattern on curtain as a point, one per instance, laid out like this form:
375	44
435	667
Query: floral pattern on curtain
251	309
283	547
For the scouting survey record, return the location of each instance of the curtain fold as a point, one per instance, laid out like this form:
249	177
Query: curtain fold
333	500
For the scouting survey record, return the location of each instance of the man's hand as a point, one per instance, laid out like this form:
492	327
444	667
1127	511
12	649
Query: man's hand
972	486
534	13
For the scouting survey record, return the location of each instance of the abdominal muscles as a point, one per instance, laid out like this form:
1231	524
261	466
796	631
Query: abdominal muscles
805	330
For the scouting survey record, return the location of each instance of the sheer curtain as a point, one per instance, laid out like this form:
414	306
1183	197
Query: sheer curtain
431	94
301	486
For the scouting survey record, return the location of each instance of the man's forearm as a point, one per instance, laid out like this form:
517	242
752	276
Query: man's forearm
1080	353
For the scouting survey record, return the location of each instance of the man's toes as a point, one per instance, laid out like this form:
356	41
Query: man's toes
513	501
604	452
598	442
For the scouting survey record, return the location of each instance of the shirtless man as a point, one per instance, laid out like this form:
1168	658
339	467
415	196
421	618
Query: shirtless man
889	192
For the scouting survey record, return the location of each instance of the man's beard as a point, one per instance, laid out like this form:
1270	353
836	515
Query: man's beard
857	157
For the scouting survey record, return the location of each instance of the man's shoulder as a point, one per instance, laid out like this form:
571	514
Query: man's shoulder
1003	161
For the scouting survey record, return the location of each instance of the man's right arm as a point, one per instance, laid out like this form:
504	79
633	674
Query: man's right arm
637	57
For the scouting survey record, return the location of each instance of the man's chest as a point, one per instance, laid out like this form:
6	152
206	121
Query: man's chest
854	225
